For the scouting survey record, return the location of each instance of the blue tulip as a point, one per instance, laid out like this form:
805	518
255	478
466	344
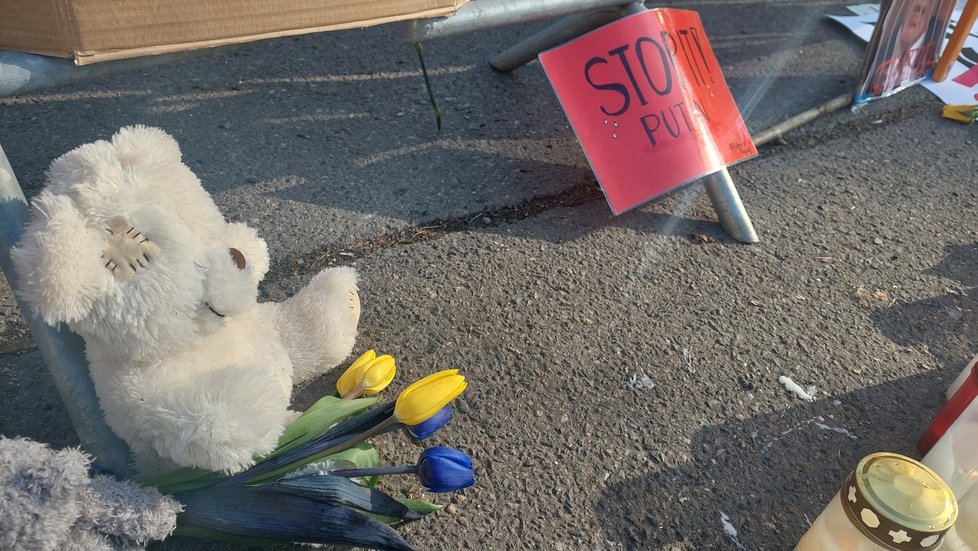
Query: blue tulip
445	470
426	428
439	469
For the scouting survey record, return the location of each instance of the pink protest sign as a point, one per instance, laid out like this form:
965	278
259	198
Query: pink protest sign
649	104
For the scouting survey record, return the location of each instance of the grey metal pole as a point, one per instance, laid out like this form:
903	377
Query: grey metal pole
21	73
730	210
485	14
62	350
566	29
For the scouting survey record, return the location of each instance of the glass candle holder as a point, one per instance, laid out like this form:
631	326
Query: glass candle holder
890	503
963	536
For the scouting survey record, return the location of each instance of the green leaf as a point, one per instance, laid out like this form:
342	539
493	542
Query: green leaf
343	492
259	512
419	506
423	508
181	480
362	455
320	417
194	484
316	420
199	533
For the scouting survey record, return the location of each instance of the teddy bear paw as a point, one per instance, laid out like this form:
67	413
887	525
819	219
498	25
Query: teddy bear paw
355	304
127	250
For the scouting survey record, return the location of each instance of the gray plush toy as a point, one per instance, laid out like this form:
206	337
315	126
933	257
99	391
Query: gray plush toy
48	501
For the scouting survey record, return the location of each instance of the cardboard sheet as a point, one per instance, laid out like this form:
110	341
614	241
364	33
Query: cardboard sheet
99	30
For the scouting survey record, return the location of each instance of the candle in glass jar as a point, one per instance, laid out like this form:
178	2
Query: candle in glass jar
889	503
963	536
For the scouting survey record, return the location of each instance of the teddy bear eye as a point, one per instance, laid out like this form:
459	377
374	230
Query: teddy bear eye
238	258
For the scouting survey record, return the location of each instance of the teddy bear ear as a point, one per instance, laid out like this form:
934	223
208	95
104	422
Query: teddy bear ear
58	261
145	145
253	248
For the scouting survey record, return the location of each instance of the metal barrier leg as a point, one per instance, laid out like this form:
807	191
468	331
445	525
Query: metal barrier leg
21	73
62	350
564	30
487	14
730	210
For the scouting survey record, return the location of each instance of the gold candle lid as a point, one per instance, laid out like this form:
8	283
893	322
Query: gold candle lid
898	503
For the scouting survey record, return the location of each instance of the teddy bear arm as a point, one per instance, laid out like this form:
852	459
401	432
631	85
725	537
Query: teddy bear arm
58	260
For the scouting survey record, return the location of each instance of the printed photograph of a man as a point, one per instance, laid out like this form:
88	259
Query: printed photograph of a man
905	45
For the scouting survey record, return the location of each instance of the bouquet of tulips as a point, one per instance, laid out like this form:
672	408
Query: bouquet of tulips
319	484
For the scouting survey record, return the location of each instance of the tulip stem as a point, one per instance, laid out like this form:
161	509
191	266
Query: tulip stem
354	393
375	471
304	455
387	425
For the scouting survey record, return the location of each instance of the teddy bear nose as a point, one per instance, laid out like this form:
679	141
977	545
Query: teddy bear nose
238	258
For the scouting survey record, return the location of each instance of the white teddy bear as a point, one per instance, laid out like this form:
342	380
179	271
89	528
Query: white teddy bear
129	250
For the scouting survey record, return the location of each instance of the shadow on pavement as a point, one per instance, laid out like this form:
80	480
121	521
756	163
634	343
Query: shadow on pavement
744	469
767	474
943	324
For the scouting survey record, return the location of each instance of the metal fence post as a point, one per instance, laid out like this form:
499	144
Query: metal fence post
62	351
730	210
485	14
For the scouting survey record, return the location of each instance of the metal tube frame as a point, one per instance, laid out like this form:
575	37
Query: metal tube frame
21	73
62	351
566	29
486	14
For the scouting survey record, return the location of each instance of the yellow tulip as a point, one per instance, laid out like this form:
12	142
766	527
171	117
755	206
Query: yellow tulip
377	374
348	380
369	374
426	397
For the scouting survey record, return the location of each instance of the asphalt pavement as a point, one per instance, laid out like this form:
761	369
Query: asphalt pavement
623	369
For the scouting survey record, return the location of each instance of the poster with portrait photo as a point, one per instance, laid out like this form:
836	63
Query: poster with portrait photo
904	48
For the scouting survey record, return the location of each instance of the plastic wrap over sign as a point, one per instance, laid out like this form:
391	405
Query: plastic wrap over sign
649	104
